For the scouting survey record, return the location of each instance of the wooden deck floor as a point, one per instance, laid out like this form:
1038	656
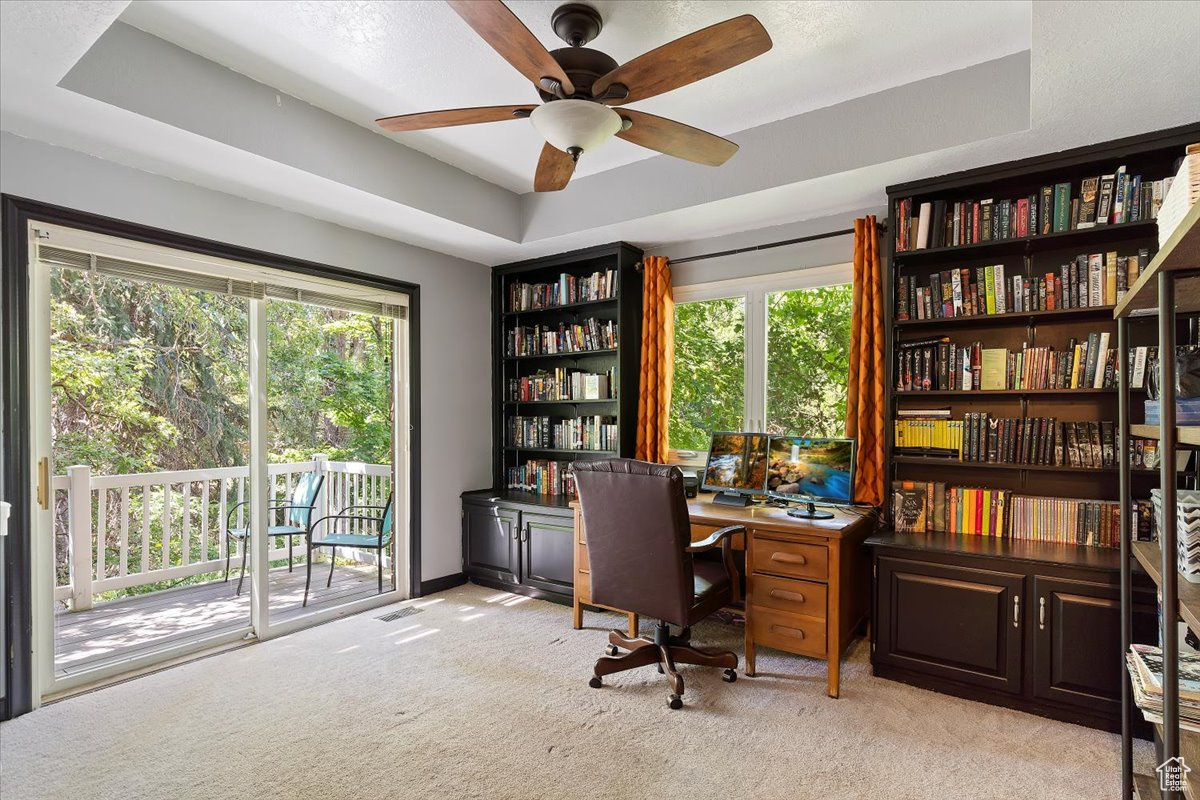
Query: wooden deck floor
122	629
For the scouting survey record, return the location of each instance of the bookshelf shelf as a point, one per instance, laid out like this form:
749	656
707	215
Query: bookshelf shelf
576	355
1030	244
1180	252
1004	392
561	450
558	402
608	301
1188	436
983	320
1149	555
934	461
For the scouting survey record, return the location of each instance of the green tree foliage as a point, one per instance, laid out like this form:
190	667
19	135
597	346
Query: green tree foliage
808	359
710	362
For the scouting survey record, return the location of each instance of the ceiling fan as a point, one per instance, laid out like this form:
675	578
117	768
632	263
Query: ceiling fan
578	85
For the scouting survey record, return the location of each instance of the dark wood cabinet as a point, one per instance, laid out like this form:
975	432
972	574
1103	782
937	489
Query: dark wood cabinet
547	552
490	541
1074	622
1025	625
960	623
512	543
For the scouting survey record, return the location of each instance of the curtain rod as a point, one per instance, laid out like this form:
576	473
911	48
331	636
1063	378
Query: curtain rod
878	225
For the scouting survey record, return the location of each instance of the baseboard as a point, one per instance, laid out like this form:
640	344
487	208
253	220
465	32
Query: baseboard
517	588
442	584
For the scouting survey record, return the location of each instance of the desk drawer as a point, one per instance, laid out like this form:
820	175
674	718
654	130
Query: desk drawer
790	559
787	594
790	632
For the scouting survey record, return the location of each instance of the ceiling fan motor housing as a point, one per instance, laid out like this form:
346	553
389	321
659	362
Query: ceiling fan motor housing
583	66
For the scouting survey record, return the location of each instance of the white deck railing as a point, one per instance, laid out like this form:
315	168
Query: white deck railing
122	531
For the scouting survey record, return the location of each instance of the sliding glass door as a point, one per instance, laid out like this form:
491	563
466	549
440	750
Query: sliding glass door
197	423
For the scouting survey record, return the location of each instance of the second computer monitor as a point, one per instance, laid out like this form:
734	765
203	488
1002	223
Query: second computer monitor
811	470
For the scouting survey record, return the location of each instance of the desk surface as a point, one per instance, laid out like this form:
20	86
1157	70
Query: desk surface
703	510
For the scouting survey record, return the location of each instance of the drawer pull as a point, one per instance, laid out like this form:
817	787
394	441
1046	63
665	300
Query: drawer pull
788	558
786	631
784	594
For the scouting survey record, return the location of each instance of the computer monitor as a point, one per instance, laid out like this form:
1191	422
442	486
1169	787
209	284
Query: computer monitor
736	467
810	471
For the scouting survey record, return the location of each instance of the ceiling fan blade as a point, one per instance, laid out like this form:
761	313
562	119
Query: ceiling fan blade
508	36
688	59
676	139
554	170
451	117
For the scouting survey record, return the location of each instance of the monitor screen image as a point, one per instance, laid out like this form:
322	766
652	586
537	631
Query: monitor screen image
737	462
811	469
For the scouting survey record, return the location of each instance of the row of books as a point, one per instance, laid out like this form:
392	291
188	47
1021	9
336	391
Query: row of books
568	289
1102	200
1094	280
577	433
1145	665
546	340
941	365
563	384
543	477
983	439
934	507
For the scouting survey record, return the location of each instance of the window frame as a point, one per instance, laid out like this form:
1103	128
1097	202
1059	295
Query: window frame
753	292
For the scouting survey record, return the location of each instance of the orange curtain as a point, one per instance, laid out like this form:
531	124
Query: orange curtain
865	394
658	360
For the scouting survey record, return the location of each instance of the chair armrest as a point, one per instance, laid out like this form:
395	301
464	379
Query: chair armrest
716	537
349	508
313	528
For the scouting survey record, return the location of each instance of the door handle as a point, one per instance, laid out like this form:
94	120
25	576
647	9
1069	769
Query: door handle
1016	610
5	509
43	483
1041	613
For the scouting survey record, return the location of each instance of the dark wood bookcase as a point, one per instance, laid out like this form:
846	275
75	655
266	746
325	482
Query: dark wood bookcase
521	540
1029	625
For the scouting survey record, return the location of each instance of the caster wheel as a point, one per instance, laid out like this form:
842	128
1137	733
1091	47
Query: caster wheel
675	702
729	676
611	650
595	682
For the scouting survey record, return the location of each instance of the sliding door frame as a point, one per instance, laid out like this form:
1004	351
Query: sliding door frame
17	213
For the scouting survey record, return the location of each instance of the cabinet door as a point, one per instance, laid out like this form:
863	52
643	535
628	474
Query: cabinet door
548	552
490	541
954	622
1077	641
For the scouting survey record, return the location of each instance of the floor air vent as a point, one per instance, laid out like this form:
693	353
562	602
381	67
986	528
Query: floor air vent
407	611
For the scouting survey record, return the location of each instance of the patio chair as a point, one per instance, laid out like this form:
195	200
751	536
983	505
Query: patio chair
378	541
299	512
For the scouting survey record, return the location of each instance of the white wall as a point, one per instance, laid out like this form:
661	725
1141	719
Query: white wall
455	303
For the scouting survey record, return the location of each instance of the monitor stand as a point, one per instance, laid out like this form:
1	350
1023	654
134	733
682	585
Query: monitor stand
810	512
731	499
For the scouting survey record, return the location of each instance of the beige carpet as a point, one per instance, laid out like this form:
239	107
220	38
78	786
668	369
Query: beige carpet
484	695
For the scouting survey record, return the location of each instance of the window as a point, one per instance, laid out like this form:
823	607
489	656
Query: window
768	354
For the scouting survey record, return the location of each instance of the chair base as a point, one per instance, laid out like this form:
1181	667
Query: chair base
664	651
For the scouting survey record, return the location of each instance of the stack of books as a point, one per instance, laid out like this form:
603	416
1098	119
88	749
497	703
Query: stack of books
1095	523
1110	199
1145	666
543	477
567	290
563	384
548	340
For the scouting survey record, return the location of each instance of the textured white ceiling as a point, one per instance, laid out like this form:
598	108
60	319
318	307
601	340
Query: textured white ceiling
362	60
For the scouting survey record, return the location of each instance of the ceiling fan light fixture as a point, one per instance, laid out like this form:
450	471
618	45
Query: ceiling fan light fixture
575	125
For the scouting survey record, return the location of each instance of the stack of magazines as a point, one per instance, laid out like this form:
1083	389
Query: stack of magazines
1145	671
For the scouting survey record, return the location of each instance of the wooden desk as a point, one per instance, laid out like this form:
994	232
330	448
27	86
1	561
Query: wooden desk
807	581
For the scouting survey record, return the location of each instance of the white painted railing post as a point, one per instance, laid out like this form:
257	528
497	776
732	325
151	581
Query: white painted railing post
320	467
79	527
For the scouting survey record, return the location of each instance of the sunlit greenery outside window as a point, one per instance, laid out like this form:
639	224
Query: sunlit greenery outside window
762	354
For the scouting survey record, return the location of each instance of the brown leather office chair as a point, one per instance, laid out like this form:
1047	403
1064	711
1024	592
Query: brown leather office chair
640	553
